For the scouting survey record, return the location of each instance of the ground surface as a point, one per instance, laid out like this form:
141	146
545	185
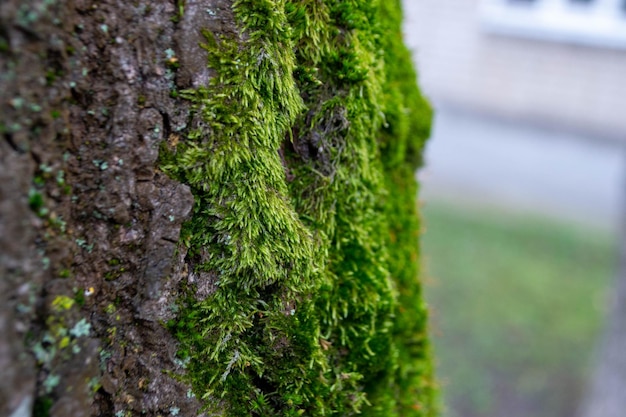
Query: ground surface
517	305
472	159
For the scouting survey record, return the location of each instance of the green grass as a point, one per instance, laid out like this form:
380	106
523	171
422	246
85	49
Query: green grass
517	305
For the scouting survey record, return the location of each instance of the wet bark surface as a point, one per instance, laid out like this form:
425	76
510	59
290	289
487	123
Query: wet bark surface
88	225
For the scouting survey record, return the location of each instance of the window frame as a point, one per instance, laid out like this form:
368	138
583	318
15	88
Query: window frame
600	23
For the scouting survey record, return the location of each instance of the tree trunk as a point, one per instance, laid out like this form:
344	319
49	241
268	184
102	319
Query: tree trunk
607	390
208	208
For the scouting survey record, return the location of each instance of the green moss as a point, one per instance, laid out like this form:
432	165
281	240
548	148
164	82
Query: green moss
62	303
42	406
4	44
407	126
79	297
35	200
304	217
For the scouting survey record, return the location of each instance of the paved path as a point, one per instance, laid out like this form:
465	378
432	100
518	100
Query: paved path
471	159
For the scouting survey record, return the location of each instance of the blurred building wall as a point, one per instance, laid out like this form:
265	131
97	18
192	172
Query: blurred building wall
554	84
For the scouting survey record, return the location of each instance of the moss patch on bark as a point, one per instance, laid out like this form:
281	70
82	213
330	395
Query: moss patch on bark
302	296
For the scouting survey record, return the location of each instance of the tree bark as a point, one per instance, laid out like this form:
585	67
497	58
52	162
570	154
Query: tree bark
206	230
606	395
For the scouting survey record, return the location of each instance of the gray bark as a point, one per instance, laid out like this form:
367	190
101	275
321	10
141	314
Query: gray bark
607	390
88	225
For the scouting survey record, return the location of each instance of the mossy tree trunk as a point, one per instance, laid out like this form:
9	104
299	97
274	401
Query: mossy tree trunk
208	207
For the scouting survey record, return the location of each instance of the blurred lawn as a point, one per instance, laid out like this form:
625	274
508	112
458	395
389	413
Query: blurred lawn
517	305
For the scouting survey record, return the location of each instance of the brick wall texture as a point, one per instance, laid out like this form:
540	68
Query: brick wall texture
559	85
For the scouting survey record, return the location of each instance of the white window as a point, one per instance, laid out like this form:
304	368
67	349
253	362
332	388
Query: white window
588	22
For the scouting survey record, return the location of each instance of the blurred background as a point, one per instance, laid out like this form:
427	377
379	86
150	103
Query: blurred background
522	195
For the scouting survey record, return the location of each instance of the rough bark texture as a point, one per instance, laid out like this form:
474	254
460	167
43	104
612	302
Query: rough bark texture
118	129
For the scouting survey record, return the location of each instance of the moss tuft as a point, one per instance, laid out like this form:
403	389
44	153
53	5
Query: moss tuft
304	226
42	406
